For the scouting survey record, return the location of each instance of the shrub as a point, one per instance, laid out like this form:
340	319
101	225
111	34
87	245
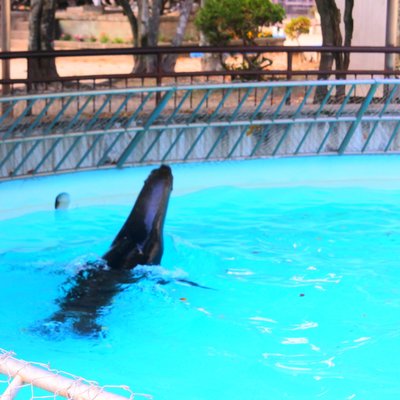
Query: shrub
264	33
223	20
246	20
104	38
79	38
65	36
118	40
297	26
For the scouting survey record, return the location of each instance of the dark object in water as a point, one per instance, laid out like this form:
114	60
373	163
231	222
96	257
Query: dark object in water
62	201
139	242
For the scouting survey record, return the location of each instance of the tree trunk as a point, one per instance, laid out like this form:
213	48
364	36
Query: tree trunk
330	27
149	17
331	36
343	59
348	30
133	22
34	25
169	61
154	22
41	37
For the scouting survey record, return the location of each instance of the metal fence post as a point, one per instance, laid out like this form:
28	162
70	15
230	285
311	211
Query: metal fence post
159	76
5	46
289	72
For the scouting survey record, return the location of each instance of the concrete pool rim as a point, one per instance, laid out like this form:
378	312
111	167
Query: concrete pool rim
120	186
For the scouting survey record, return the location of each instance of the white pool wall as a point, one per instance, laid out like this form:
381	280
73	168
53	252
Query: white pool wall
121	186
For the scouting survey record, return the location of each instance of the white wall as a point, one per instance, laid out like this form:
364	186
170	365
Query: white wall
369	30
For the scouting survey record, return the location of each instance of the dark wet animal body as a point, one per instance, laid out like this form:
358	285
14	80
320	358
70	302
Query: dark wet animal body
139	242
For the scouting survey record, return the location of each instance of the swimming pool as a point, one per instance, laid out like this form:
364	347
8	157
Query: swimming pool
300	257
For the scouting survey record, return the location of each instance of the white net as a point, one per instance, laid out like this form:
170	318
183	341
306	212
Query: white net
21	379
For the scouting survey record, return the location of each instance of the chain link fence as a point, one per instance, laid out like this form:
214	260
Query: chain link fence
49	133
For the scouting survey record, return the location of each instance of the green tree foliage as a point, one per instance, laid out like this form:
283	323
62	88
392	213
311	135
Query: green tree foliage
297	26
223	20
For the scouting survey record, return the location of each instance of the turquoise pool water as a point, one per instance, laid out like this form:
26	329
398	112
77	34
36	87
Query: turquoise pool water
302	259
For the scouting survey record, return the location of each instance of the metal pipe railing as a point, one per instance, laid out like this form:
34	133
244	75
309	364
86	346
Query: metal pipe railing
161	77
24	373
196	49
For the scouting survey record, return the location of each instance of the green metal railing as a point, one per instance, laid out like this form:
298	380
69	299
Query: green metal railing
50	133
